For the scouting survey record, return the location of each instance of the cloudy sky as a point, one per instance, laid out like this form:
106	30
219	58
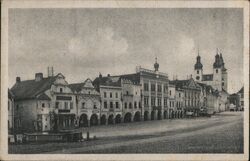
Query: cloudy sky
80	43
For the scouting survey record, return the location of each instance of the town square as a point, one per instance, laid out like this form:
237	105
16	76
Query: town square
126	81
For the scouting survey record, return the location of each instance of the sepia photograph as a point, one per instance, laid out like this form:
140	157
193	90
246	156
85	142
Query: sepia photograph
125	78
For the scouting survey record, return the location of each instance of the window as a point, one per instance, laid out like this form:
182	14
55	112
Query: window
83	105
116	95
117	105
159	88
125	105
71	105
43	105
216	70
111	105
135	104
66	105
89	92
135	93
8	105
165	88
130	105
152	87
145	86
105	105
170	92
159	101
139	104
165	101
95	107
127	92
105	94
110	95
152	101
197	71
57	105
170	103
179	94
146	101
61	90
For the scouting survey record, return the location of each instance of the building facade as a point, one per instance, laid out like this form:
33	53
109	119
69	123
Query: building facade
88	104
192	92
44	104
10	112
111	99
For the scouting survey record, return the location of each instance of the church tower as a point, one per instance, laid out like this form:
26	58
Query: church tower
223	74
198	69
219	73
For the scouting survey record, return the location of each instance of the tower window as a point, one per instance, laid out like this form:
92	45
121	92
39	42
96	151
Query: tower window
216	70
197	78
197	71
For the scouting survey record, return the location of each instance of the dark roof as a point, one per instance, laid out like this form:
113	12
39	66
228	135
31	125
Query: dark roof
135	78
116	80
179	83
30	89
207	77
76	87
108	81
43	96
241	90
198	64
10	94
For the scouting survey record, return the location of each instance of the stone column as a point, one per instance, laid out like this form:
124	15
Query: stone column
88	123
98	121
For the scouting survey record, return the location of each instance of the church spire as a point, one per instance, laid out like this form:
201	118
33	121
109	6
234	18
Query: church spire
198	64
156	65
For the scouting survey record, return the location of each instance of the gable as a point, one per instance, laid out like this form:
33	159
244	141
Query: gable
192	84
60	80
88	84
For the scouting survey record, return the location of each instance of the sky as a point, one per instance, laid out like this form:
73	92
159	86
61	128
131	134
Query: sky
81	43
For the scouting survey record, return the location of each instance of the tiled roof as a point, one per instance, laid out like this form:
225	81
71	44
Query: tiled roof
76	87
116	80
30	89
207	77
43	96
10	94
179	83
241	90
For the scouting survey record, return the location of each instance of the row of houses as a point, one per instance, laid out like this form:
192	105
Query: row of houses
52	104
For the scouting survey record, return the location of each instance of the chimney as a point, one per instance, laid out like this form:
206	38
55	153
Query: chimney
100	75
18	79
50	72
108	75
38	76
